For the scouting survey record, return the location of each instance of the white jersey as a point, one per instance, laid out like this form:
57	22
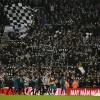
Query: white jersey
26	82
2	80
46	80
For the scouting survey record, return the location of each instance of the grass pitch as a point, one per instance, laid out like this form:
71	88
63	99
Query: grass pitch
48	97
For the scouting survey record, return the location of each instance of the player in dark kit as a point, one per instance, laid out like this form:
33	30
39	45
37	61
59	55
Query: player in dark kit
63	88
10	85
1	85
40	85
22	85
32	85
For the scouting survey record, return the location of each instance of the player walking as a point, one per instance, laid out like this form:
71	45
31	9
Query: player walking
63	88
26	83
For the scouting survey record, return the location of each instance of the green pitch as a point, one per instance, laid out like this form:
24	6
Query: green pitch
49	98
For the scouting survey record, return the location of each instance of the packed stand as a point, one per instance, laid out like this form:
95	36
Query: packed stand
57	43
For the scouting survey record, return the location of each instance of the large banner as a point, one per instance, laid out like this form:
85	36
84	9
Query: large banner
83	91
70	91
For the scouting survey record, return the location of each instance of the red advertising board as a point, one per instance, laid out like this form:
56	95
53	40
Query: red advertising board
83	91
70	91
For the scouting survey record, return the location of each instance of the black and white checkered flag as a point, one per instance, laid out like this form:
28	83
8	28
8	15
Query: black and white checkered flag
18	15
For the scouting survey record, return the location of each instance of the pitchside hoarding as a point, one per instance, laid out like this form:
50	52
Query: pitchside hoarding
71	91
83	91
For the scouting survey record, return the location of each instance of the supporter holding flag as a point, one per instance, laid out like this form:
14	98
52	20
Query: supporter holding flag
80	67
79	64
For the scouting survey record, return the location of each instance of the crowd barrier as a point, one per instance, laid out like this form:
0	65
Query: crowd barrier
70	91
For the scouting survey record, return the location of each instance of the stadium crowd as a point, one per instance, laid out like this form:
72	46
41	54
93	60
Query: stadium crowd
63	38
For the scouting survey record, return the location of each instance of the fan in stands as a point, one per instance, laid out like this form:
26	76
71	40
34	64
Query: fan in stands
60	39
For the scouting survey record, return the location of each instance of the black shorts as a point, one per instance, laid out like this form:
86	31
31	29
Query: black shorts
47	86
1	86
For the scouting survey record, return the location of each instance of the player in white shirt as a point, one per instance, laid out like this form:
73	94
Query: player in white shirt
26	83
